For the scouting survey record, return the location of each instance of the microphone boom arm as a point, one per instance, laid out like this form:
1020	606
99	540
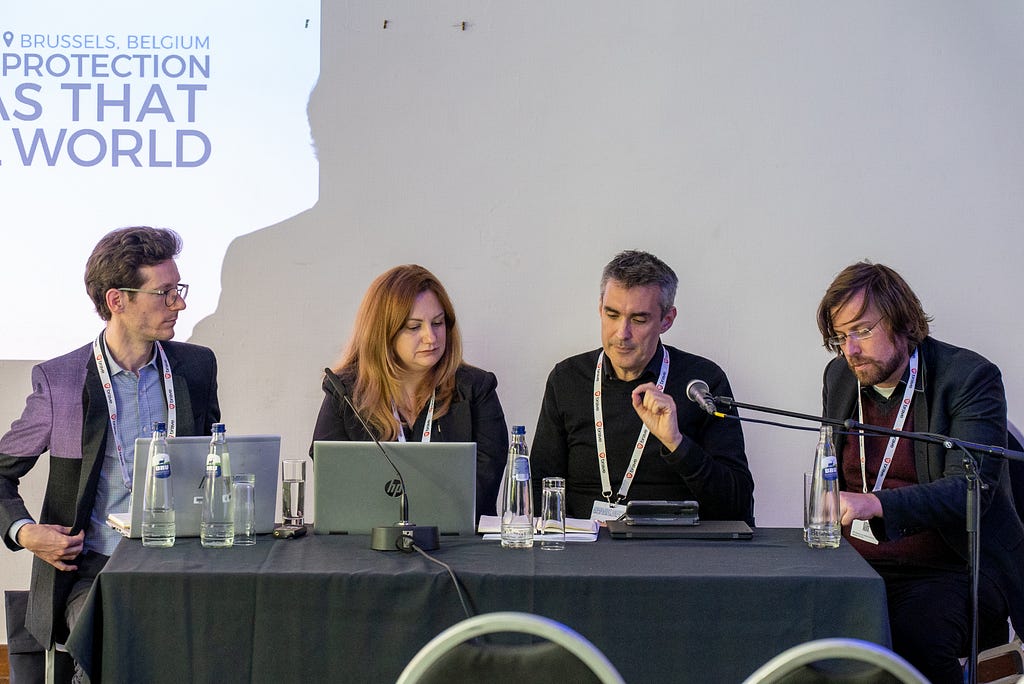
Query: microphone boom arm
730	402
403	501
854	426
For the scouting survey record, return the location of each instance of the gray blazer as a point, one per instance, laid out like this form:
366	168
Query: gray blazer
66	415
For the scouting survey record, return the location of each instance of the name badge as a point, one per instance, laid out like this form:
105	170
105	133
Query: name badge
604	510
861	529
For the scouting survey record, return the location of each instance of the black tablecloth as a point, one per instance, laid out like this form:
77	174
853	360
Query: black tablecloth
321	608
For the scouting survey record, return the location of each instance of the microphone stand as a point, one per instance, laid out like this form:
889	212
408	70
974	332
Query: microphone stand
403	534
972	504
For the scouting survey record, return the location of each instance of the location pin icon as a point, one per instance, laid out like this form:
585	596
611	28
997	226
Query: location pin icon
8	37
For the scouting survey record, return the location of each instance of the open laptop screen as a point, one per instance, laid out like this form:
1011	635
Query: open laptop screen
355	488
257	454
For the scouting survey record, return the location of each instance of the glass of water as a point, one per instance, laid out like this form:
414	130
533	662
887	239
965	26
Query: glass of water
293	492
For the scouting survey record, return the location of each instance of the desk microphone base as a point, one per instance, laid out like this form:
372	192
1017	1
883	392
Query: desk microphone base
401	537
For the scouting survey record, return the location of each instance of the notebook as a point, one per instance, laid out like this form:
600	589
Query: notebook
707	529
576	529
355	488
257	454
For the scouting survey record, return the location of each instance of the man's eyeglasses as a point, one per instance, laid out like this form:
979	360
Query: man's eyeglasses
170	296
838	341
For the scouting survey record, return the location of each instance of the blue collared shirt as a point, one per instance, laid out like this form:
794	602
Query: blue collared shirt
140	401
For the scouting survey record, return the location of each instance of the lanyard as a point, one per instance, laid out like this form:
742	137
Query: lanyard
641	440
426	424
901	418
98	353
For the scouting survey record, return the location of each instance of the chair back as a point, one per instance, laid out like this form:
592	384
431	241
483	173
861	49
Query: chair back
460	654
1015	441
25	655
797	664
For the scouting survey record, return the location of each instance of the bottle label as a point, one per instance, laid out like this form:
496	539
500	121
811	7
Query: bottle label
213	463
829	471
161	465
521	469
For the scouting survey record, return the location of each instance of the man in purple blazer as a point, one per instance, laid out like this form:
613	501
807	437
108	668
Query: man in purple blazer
88	407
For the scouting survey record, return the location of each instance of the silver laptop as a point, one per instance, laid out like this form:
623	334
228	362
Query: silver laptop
257	454
355	489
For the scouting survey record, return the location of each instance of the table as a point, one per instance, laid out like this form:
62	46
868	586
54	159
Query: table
325	608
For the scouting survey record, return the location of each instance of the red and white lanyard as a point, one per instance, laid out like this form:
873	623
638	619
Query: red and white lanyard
901	418
426	424
641	440
99	354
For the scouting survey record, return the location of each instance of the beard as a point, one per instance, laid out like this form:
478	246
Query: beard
870	372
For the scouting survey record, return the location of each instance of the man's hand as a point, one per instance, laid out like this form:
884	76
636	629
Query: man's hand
855	506
53	543
658	412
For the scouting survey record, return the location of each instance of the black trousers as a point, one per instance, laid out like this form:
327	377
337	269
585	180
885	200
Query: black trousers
89	565
930	618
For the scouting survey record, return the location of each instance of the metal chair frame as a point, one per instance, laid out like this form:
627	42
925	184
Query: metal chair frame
525	623
796	657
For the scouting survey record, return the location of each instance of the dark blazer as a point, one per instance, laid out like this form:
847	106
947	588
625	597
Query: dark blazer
475	415
66	414
958	394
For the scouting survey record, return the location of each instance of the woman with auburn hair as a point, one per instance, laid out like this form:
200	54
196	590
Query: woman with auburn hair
403	371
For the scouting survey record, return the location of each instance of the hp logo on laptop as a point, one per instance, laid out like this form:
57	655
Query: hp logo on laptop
393	488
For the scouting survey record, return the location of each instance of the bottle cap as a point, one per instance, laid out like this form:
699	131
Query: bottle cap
518	429
218	427
159	426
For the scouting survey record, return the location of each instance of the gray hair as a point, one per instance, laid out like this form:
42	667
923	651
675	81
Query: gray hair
639	269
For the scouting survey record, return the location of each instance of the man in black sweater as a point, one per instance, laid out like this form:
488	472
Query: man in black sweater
615	422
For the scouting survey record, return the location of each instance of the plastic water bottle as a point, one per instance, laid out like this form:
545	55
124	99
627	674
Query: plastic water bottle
517	508
158	499
218	528
823	531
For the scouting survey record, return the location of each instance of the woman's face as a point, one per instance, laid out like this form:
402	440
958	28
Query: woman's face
420	343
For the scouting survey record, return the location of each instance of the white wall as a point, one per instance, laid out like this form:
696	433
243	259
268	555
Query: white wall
758	148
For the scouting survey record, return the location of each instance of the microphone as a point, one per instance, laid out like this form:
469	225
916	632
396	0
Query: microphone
698	392
403	534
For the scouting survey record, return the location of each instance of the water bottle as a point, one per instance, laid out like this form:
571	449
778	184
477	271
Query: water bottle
218	528
823	531
517	507
158	498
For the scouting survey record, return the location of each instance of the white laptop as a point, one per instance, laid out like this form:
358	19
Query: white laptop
356	489
257	454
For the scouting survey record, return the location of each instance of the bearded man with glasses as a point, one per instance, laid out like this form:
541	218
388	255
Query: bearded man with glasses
903	503
90	433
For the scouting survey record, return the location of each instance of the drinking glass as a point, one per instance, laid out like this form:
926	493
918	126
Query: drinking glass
552	516
293	484
243	492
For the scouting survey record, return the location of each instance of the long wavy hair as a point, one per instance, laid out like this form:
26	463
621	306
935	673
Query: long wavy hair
370	361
